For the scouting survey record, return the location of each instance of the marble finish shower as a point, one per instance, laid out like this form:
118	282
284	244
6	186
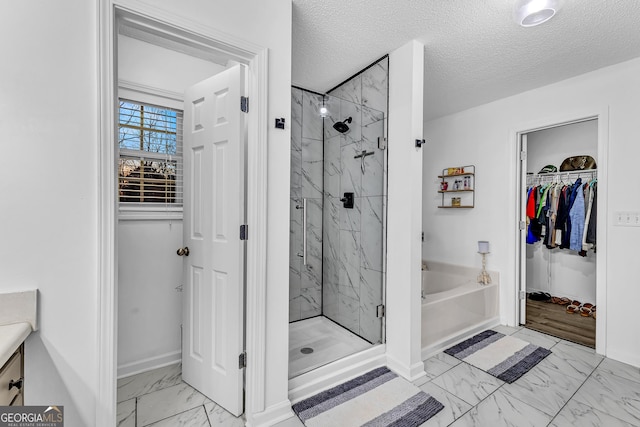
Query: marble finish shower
339	271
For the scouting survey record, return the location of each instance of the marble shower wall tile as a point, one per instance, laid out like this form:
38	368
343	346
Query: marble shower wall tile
370	298
312	272
375	84
295	229
348	309
332	167
296	143
350	218
351	177
295	282
349	261
350	90
349	109
330	256
373	177
371	233
311	120
312	168
296	175
296	115
333	115
369	115
310	302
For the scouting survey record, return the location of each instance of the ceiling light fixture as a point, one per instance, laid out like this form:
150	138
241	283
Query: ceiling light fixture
530	13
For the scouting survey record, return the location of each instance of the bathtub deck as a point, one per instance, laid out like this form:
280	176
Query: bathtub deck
553	319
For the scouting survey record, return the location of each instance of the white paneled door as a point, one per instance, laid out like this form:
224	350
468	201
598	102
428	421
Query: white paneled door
214	209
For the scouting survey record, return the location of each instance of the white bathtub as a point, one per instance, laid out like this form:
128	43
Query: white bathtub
454	305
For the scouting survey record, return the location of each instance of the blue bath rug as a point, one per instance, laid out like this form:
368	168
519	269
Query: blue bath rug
503	356
378	398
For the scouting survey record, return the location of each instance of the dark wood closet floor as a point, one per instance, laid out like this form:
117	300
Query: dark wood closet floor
553	319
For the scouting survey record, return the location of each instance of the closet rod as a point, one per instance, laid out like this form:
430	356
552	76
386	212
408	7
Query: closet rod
591	173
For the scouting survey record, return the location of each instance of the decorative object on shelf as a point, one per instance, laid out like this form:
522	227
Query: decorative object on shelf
461	180
577	163
483	249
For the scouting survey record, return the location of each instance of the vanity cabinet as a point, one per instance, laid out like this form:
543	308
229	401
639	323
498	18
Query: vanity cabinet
11	380
457	187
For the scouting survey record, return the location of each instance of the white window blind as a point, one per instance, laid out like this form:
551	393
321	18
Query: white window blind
150	156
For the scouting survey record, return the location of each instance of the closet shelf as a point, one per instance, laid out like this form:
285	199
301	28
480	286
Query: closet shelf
455	207
454	191
456	174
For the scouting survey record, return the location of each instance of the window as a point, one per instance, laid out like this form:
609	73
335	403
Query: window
150	156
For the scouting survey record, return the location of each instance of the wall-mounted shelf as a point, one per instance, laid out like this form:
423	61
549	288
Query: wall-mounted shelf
458	180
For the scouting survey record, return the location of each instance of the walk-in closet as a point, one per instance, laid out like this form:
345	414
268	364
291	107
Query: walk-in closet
560	204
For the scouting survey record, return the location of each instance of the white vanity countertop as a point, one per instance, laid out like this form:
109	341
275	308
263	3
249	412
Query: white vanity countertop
18	318
11	336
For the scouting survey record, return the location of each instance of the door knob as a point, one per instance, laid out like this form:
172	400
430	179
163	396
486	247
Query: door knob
183	251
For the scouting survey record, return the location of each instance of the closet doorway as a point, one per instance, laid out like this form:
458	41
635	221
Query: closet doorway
558	221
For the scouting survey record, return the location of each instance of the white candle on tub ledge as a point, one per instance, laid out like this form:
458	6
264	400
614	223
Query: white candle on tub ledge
483	247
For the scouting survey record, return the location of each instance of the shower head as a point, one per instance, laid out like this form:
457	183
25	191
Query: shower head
342	126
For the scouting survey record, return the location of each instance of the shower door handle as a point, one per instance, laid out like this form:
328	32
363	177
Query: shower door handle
304	231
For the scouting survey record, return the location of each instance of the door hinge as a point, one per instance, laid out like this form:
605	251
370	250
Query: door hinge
242	360
523	155
243	232
522	225
244	104
380	311
523	294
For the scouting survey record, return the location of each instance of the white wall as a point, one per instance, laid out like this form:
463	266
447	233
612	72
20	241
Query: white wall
561	272
483	136
552	146
161	68
149	307
49	113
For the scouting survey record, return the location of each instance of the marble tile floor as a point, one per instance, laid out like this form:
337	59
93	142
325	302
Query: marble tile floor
572	386
160	398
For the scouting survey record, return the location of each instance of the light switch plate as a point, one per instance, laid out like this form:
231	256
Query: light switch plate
627	219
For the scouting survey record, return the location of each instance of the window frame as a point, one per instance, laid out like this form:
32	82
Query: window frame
143	94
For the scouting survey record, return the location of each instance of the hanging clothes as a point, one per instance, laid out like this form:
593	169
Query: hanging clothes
563	216
577	215
533	232
593	220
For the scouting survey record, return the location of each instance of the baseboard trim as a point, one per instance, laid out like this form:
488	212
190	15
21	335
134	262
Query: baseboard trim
148	364
447	342
332	374
270	416
413	373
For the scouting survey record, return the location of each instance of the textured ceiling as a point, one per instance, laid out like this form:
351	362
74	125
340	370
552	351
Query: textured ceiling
474	51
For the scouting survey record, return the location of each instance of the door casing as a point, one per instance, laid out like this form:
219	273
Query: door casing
232	48
515	136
